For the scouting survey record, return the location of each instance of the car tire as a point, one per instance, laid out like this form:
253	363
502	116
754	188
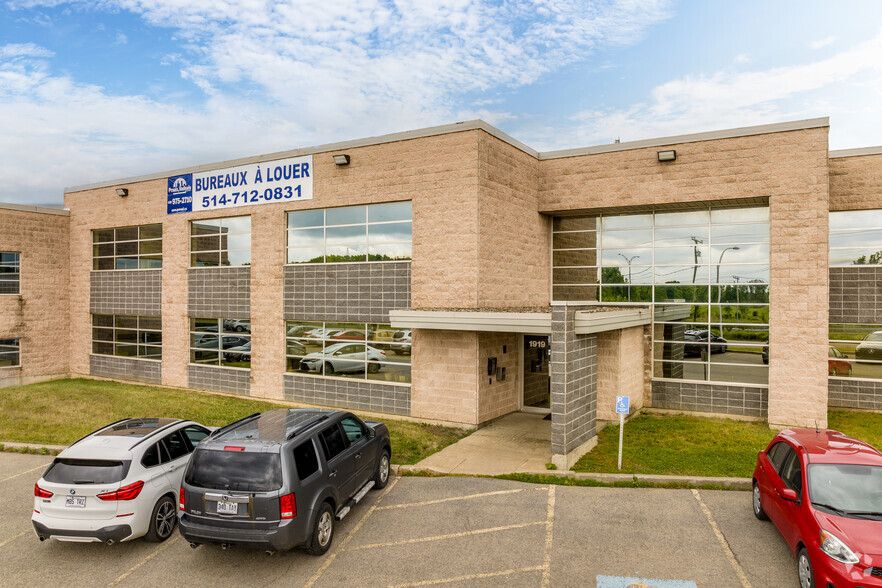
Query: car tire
758	510
322	531
381	476
162	520
804	569
373	368
850	370
329	368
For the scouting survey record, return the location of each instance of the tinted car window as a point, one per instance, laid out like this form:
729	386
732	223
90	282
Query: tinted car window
235	470
195	435
333	442
778	454
353	429
176	446
306	460
151	456
86	471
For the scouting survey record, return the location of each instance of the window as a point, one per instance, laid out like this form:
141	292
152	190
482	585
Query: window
855	351
792	473
333	442
127	248
195	435
376	232
306	460
10	353
10	272
349	350
856	238
353	429
218	341
176	446
778	453
706	273
220	242
127	336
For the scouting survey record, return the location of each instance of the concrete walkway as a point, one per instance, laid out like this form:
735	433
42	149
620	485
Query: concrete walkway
518	442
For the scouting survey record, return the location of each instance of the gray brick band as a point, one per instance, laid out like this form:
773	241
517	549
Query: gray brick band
861	394
363	292
133	292
711	398
856	294
223	292
219	379
124	368
348	394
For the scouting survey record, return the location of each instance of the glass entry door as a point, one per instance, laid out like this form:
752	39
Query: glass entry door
537	380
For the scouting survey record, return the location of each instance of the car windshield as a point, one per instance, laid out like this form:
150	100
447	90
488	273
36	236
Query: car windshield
86	471
874	336
846	487
235	470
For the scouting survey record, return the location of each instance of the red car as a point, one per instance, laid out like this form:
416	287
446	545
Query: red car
823	492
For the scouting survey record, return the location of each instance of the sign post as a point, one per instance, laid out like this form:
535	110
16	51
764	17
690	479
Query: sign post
623	403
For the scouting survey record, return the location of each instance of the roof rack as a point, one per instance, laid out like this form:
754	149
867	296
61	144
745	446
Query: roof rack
233	424
305	426
99	430
152	433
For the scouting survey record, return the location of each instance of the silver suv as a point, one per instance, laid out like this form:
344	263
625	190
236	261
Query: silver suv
279	479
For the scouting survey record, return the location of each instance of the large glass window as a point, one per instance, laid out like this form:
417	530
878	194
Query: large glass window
376	232
855	351
706	273
127	336
10	272
349	350
220	242
127	248
10	353
219	341
856	237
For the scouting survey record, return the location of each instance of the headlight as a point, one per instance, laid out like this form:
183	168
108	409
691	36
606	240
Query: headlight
832	546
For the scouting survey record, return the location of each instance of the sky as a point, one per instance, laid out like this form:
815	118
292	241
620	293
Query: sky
105	89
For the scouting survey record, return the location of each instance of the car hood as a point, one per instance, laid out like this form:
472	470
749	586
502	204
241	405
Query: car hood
861	535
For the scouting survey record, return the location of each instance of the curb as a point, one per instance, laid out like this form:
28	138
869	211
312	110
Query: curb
31	448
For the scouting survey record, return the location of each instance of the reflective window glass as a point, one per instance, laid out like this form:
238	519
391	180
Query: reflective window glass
123	248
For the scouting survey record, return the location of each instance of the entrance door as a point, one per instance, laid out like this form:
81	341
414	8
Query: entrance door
537	380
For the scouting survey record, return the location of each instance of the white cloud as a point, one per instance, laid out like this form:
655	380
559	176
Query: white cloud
728	100
822	42
18	50
278	75
121	39
741	58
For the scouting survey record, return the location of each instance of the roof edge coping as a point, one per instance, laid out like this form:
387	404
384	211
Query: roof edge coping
31	208
855	152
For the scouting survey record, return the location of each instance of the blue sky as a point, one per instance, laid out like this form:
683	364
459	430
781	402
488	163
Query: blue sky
106	89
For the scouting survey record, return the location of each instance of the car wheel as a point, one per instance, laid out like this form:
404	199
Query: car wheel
804	569
162	521
329	368
381	476
373	368
323	532
850	369
758	511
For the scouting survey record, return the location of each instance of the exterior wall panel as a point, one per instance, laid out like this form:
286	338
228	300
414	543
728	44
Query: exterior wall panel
711	398
573	383
219	379
127	369
348	394
133	292
222	292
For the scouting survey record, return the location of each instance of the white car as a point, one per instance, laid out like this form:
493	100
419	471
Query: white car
342	358
119	483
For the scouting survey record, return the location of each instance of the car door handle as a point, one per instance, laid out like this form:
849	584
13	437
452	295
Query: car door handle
357	456
333	474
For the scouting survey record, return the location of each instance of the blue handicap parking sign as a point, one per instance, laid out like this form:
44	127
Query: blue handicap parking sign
623	403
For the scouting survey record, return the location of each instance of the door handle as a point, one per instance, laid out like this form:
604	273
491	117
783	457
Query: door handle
357	456
333	474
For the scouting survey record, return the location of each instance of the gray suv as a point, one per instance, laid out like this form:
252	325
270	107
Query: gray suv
279	479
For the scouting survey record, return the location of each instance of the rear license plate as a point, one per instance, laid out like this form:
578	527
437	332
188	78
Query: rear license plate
227	507
75	501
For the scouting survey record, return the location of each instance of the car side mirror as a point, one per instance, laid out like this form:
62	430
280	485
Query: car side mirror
788	494
371	433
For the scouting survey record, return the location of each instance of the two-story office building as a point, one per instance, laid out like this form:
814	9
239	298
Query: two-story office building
457	275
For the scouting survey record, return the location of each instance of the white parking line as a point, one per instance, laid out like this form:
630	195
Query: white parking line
549	534
440	500
468	577
331	557
39	467
723	543
145	560
449	536
11	539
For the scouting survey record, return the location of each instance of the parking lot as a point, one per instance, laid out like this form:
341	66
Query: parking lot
439	531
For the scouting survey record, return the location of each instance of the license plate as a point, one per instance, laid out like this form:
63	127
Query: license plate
227	507
75	501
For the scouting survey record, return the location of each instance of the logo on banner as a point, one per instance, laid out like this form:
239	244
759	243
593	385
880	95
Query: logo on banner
180	193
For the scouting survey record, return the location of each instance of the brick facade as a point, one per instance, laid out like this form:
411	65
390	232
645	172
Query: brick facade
619	370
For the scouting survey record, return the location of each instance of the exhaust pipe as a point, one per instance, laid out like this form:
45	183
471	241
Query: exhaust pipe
109	541
269	552
194	545
225	545
42	538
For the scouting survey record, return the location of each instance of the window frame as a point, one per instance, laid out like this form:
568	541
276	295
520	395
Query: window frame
12	342
140	333
219	336
221	249
97	243
14	274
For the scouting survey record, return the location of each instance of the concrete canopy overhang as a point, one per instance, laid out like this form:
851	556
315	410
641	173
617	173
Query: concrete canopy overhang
535	321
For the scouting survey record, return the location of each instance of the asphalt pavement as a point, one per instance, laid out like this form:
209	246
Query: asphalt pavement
454	531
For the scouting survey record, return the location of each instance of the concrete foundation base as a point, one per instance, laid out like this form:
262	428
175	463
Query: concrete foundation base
567	461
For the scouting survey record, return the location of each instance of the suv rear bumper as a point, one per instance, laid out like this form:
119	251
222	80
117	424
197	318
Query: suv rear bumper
287	535
113	533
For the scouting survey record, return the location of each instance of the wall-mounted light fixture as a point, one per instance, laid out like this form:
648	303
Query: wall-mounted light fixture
122	192
341	159
670	155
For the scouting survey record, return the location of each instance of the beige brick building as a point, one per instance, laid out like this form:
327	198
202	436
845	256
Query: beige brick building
455	274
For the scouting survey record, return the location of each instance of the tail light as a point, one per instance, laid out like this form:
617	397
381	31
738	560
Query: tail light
181	498
129	492
288	506
40	493
233	448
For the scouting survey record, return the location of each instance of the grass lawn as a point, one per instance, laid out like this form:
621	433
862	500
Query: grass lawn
62	411
687	445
